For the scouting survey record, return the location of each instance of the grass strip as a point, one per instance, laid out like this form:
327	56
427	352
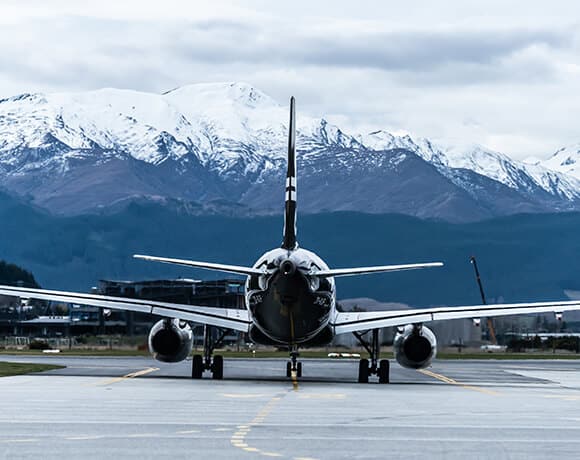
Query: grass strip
8	369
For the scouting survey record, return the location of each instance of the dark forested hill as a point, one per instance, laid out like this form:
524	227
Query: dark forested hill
15	276
521	257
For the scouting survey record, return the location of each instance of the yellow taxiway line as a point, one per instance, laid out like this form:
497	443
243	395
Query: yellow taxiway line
239	438
294	378
451	381
131	375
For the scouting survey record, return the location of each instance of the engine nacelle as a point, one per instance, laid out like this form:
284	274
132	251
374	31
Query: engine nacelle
170	340
415	346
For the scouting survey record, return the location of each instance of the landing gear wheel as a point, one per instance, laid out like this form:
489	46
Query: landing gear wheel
209	362
363	371
288	369
384	371
217	368
299	370
196	367
372	366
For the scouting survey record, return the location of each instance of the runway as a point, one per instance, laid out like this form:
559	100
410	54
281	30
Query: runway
139	408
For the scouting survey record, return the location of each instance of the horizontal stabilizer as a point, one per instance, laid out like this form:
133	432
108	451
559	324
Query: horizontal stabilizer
367	270
206	265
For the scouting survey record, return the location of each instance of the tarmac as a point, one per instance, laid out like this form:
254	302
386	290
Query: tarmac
138	408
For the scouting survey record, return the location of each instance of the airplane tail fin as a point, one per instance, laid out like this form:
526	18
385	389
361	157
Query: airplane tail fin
289	241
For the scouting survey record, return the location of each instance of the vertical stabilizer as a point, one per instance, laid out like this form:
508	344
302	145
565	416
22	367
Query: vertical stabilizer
290	209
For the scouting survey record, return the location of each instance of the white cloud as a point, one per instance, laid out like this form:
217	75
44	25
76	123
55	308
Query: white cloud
498	74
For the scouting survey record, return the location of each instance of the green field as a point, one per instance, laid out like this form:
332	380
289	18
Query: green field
7	369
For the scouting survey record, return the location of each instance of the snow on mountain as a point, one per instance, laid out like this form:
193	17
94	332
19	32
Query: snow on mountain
228	141
565	160
383	140
514	174
231	130
495	165
220	123
229	110
110	119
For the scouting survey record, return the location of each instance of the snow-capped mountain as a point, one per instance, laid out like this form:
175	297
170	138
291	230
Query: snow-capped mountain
223	146
522	176
565	160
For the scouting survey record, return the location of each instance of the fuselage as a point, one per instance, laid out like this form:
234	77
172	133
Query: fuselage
288	305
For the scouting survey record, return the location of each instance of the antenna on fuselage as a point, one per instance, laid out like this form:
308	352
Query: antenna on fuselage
289	241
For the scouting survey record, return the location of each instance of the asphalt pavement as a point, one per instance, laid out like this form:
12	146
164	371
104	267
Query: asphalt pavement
139	408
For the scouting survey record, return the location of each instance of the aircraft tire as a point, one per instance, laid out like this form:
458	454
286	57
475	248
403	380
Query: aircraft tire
288	369
196	367
363	371
299	370
217	367
384	371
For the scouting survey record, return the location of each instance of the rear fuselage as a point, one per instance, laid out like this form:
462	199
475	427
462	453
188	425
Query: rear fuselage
288	306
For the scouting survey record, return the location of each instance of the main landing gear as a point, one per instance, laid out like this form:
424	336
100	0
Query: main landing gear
208	362
374	367
294	365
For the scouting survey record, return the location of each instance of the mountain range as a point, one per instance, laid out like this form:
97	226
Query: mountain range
220	149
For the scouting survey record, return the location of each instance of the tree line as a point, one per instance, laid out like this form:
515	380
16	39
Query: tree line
13	275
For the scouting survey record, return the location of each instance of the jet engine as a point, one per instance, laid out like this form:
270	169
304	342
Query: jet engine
415	346
170	340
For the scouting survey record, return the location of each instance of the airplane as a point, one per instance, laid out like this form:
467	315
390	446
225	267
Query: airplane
290	298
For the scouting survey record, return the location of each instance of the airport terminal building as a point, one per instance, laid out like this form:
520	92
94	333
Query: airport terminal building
49	319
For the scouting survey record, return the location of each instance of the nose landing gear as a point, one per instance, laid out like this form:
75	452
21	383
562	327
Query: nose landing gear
374	367
294	365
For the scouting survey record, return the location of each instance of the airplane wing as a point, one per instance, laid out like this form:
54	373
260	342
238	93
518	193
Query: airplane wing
207	265
379	269
351	322
229	318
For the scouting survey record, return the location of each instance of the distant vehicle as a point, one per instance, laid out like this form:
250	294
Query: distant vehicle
489	348
291	302
343	355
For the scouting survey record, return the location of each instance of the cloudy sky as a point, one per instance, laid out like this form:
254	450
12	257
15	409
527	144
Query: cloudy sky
502	74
